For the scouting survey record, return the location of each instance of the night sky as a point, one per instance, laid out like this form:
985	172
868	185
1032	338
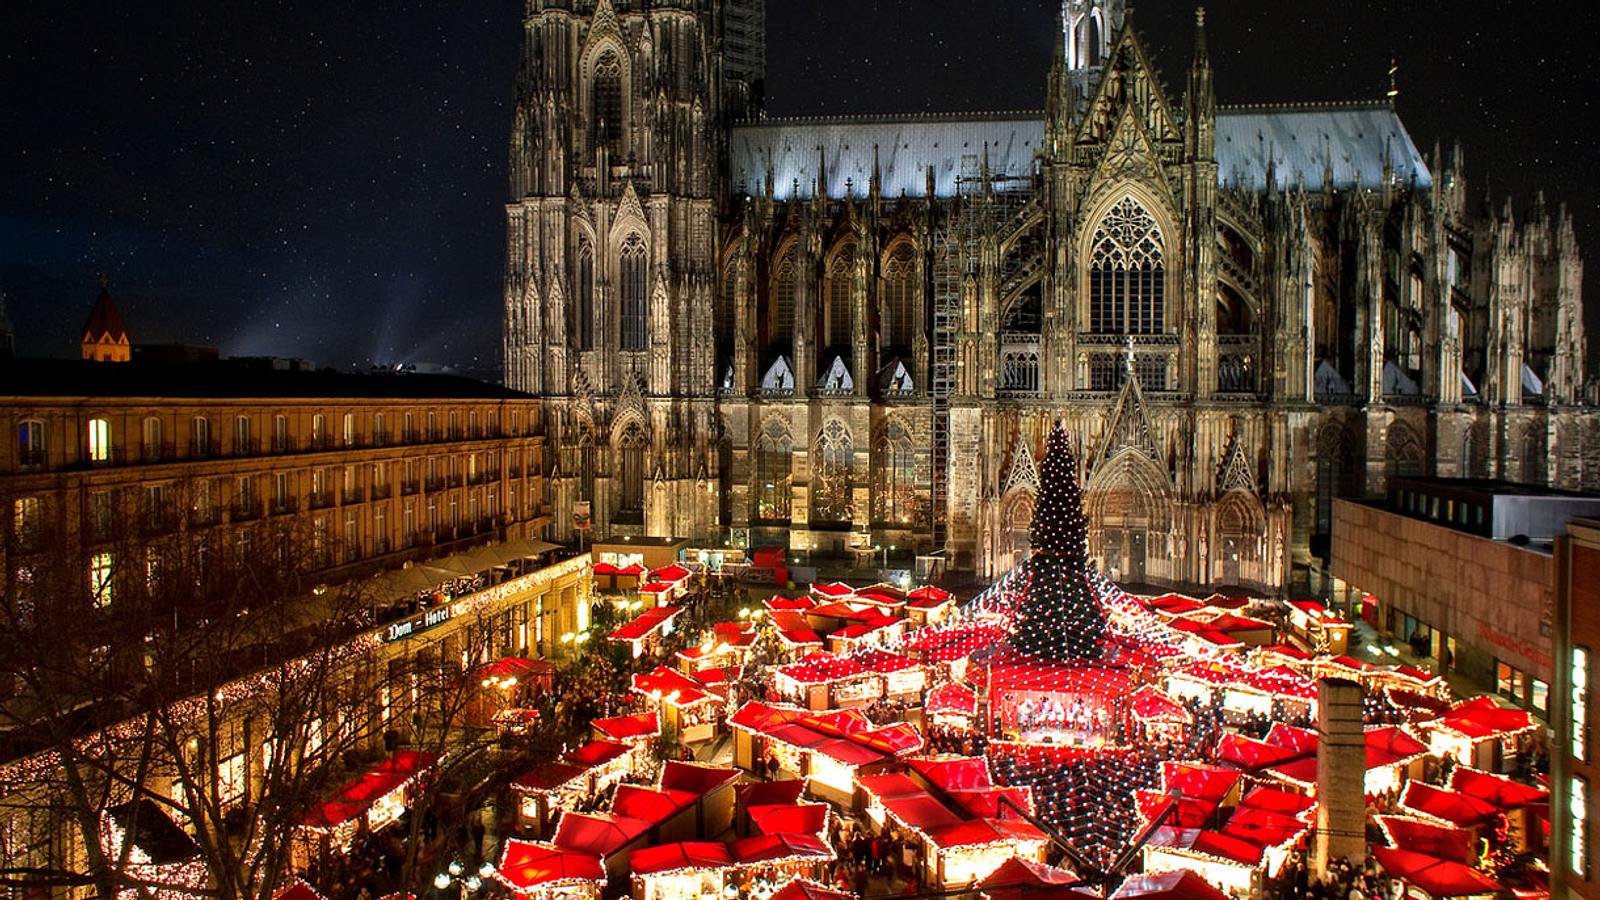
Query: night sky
326	180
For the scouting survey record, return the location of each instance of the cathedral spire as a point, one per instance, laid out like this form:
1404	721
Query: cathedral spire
1202	101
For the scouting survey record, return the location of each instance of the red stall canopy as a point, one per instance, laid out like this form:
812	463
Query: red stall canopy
525	865
597	833
356	797
1423	836
796	818
1151	704
622	728
1439	877
683	855
1180	884
1448	806
1021	879
952	697
1496	789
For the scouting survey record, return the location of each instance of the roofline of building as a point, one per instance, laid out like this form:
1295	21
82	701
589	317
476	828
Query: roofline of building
1003	115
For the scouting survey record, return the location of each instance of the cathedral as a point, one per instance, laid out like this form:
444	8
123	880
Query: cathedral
844	333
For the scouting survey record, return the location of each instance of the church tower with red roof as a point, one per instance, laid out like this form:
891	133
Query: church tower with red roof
105	335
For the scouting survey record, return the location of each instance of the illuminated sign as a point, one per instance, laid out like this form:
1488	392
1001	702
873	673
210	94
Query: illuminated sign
419	623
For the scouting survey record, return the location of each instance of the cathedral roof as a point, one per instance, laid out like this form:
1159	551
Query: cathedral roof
907	146
1300	140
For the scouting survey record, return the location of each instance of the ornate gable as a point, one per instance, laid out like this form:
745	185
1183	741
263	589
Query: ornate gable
630	214
1129	82
1236	474
1129	425
1129	156
1022	474
631	400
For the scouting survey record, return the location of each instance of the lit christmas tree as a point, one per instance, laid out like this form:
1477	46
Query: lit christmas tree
1059	617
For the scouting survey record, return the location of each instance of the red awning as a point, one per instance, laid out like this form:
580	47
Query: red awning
1208	843
1180	884
649	804
671	686
1439	877
1151	704
1021	879
1278	801
921	811
683	855
298	891
822	668
525	865
1198	781
597	834
800	889
596	753
646	624
1301	739
515	667
356	797
833	590
792	628
952	697
1448	806
1190	813
1496	789
1423	836
777	603
1269	829
696	779
1483	718
1390	745
985	831
622	728
769	793
771	847
790	818
547	777
1251	754
670	574
961	773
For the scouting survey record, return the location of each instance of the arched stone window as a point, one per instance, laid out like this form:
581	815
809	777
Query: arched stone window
727	311
780	314
583	299
896	476
1403	455
835	480
841	274
1336	474
899	299
586	467
635	294
605	104
630	465
1533	456
773	474
1127	274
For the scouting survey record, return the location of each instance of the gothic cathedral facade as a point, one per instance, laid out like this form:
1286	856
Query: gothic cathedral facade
855	332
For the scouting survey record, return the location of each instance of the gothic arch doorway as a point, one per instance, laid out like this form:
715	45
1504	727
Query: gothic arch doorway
1016	530
1130	508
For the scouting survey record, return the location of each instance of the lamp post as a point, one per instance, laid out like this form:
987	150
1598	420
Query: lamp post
465	885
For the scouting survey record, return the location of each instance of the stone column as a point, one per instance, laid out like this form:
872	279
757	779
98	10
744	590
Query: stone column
1341	771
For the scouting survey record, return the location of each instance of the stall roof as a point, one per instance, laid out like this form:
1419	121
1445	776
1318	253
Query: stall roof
1251	754
1391	745
822	668
670	574
952	697
525	865
598	833
1022	879
354	798
954	773
1207	843
547	777
1496	789
801	889
1151	704
300	890
793	629
835	590
646	624
884	662
596	753
1277	800
986	831
1481	718
1446	806
790	818
774	847
621	728
770	793
1424	836
1439	877
671	686
695	778
1260	826
682	855
1180	884
789	604
653	805
1190	812
1198	780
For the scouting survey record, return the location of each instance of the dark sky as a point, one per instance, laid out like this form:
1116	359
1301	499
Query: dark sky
327	179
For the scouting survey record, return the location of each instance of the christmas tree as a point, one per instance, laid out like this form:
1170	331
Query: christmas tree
1059	618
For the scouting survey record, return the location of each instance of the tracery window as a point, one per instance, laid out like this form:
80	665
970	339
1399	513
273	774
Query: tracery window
896	476
899	307
605	105
630	451
583	318
835	480
635	294
727	302
784	286
773	474
840	275
586	467
1127	275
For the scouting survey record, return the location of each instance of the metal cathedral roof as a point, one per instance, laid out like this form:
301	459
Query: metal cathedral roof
1355	137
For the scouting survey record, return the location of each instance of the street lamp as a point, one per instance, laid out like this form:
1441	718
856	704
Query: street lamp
465	886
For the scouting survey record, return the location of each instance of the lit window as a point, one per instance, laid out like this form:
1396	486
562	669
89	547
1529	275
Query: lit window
1580	703
30	443
99	440
1578	807
100	579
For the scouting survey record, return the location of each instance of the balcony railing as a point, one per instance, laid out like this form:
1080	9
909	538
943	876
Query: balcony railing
320	499
352	495
410	486
382	491
246	509
284	506
434	484
202	449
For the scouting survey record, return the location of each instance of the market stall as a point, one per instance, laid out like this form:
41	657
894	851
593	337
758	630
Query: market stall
158	851
1176	884
538	871
1480	733
1436	877
1318	628
687	707
951	705
1025	879
645	632
929	605
375	799
821	681
1157	716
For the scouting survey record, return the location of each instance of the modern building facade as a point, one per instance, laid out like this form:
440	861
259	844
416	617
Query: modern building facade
834	333
1464	571
1575	773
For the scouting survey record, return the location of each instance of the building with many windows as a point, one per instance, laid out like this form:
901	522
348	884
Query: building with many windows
829	333
1575	771
269	571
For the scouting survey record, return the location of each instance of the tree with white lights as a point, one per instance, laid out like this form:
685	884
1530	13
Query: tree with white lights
1059	618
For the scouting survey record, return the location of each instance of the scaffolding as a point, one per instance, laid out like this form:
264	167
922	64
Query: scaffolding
986	211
